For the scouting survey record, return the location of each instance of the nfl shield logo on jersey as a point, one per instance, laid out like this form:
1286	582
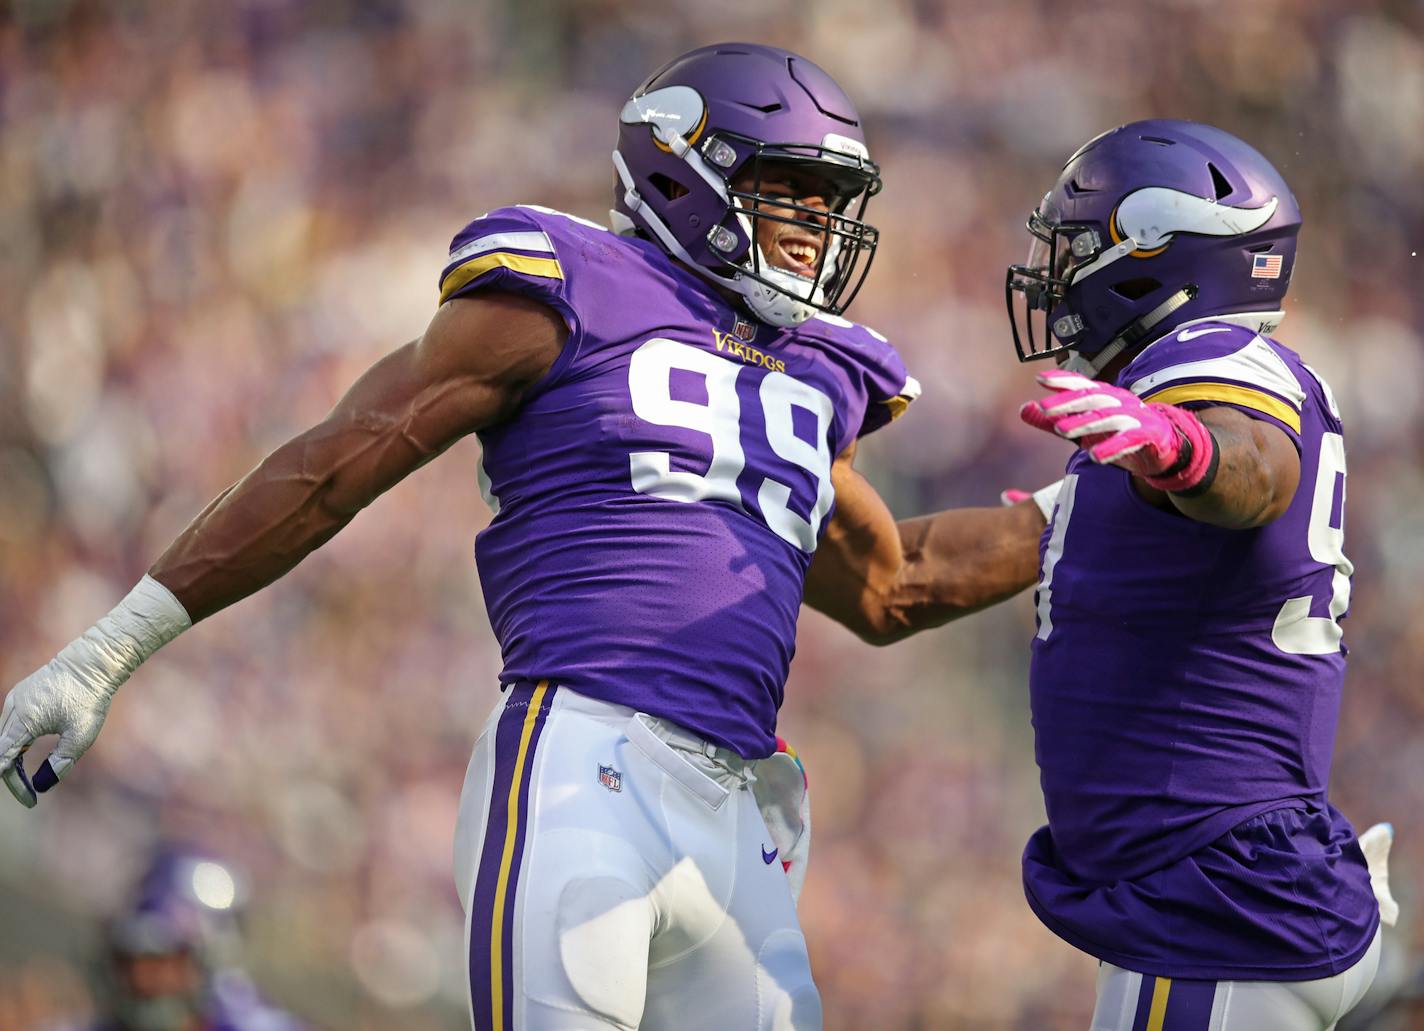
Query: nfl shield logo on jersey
610	778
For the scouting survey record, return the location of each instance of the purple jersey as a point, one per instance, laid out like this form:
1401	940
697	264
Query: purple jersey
660	492
1185	681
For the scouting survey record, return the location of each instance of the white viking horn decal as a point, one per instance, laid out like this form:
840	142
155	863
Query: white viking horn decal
1151	215
673	111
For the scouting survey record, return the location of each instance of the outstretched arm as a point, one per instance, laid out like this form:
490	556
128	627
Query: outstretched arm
887	580
1216	465
1258	470
469	370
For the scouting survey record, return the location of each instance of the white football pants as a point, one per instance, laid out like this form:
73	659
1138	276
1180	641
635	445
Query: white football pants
617	873
1130	1001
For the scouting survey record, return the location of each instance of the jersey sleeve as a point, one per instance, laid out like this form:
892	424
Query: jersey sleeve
506	249
510	250
1220	364
889	386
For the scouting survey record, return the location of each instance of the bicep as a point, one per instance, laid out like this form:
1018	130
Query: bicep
470	369
1265	446
860	552
1278	454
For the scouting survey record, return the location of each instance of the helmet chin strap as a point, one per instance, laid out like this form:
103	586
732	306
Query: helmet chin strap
770	304
1093	365
781	300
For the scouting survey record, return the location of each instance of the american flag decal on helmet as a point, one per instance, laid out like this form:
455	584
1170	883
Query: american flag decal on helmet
1266	266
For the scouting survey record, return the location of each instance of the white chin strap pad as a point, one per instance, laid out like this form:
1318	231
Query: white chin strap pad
783	302
772	306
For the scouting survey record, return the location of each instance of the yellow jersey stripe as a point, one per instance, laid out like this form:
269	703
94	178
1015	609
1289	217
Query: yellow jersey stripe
897	405
461	275
511	834
1158	1013
1232	394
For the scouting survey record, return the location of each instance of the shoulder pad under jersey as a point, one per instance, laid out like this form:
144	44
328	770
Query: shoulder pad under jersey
1217	363
523	249
889	386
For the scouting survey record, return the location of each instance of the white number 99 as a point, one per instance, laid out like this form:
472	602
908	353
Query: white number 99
649	384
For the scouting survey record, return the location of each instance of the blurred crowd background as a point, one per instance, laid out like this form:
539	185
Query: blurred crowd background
214	215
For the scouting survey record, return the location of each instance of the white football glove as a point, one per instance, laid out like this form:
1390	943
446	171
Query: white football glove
55	699
70	695
1375	843
782	793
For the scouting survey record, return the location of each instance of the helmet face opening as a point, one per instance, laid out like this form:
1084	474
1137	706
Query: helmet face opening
772	188
1036	292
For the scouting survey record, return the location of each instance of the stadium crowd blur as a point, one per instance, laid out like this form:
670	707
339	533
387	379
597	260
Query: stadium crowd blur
214	215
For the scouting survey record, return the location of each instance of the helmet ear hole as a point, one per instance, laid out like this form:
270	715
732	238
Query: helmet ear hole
1136	289
1219	181
669	187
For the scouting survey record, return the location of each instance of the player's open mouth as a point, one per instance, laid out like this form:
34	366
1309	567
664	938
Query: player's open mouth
798	255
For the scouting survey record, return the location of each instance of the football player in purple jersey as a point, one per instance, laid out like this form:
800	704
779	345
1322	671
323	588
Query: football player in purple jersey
172	954
668	413
1188	666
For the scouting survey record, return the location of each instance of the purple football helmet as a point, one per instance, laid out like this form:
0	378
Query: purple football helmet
184	901
1151	226
730	113
183	915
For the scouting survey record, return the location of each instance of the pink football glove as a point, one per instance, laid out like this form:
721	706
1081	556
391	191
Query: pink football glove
1167	446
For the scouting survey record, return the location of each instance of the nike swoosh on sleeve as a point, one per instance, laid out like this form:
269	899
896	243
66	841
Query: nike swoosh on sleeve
1192	334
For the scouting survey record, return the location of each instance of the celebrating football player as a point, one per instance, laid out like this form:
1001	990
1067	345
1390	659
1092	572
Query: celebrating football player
668	413
1187	668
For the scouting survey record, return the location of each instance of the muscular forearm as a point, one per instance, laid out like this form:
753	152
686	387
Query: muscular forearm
958	562
406	409
1216	465
886	580
260	528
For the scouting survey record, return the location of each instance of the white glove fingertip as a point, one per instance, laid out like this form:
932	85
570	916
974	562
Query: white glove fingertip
1107	424
1065	380
53	769
1084	405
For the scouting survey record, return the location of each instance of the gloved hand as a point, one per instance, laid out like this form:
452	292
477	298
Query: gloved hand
1375	843
55	699
70	695
782	793
1167	446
